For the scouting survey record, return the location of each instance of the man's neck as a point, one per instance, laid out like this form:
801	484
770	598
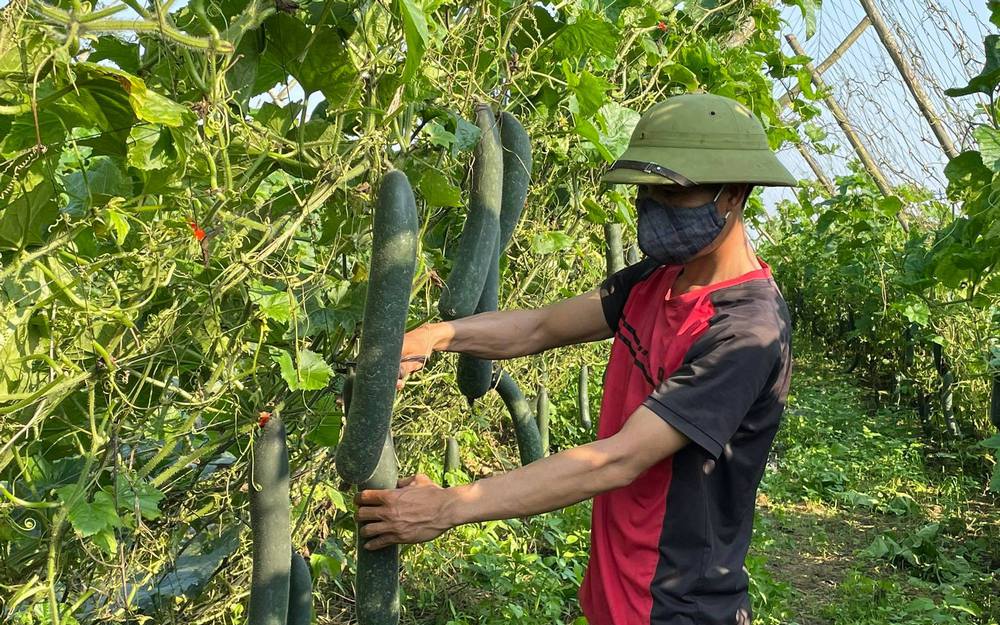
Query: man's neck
731	259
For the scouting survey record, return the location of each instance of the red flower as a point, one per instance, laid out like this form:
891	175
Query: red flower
263	419
662	26
199	234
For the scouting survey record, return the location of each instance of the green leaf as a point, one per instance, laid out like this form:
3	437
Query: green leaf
105	540
148	105
123	54
150	148
321	565
682	75
141	498
590	91
992	443
415	32
987	80
329	422
437	190
89	518
119	223
311	374
995	480
26	219
274	303
917	312
95	184
809	8
588	131
890	206
989	146
966	172
323	66
589	34
552	241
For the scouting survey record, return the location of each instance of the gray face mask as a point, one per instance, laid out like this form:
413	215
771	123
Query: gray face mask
673	235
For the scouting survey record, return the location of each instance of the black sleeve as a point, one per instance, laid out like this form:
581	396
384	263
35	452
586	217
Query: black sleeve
722	375
615	289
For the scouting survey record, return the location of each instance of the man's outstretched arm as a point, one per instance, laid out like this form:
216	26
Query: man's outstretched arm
420	510
509	333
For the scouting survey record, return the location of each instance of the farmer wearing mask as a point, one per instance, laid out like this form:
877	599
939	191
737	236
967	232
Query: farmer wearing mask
694	390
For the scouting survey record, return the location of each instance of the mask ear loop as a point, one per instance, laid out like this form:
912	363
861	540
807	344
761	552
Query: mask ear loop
716	200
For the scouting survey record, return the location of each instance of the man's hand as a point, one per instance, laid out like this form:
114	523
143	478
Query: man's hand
418	345
415	512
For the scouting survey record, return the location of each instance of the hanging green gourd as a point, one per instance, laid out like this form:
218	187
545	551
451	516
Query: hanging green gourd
270	525
477	245
529	443
299	592
613	254
475	375
452	460
394	246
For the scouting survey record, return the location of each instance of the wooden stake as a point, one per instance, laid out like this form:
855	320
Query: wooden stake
845	125
830	60
814	165
909	77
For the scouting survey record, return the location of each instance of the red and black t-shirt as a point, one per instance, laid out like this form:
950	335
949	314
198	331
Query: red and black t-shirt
714	363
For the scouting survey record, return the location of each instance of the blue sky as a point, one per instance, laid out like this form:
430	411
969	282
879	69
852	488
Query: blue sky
944	40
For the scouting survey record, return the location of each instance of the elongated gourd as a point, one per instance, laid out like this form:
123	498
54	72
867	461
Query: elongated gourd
583	398
477	245
452	460
529	443
377	583
517	166
270	526
389	282
542	417
300	592
475	375
614	257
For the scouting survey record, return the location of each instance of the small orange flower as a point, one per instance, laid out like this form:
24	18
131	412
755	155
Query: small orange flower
662	26
199	234
263	419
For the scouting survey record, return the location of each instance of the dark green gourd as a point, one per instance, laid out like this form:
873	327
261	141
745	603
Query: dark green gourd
529	442
270	526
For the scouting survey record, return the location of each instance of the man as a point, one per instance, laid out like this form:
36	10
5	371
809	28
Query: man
694	389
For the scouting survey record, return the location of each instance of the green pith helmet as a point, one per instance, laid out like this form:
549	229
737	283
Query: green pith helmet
699	138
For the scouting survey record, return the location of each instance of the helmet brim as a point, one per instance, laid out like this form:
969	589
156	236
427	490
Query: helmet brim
704	166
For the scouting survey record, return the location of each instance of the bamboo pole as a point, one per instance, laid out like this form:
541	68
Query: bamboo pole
838	52
910	78
814	165
845	125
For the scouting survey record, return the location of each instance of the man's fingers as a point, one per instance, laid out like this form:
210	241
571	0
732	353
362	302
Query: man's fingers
370	498
371	530
405	481
369	513
382	541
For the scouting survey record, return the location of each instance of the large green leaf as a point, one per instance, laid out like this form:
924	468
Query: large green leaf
139	498
590	91
989	146
317	59
311	374
276	304
95	184
26	219
986	81
150	147
148	105
590	33
89	517
123	54
438	190
416	33
966	172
